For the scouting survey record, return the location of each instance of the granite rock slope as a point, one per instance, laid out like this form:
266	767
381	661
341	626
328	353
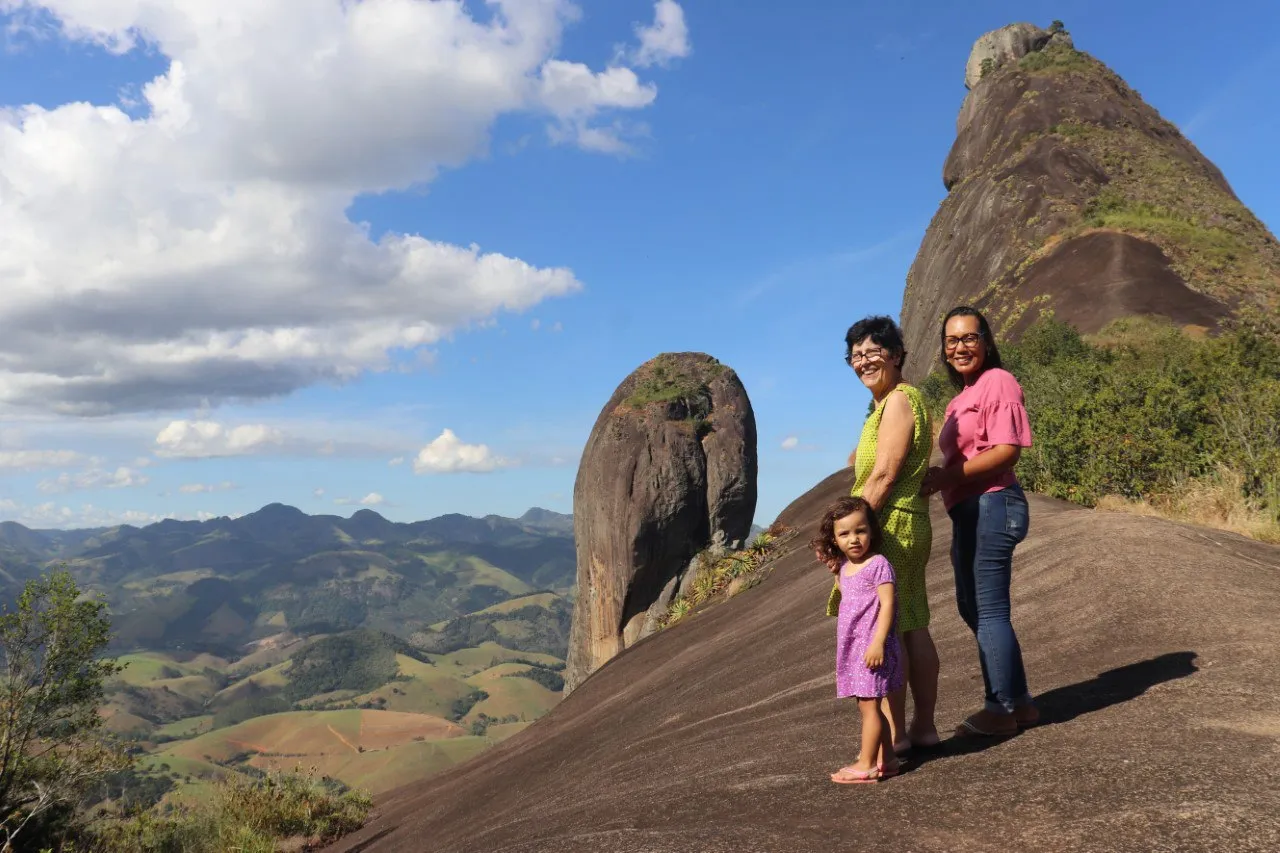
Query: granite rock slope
669	469
1067	192
1150	644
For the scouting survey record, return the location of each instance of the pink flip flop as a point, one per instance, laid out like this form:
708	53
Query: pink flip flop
887	772
854	776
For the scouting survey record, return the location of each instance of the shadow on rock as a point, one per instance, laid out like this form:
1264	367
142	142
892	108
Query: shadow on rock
1064	704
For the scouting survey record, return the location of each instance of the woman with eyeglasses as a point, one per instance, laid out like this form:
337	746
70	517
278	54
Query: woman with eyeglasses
889	466
985	429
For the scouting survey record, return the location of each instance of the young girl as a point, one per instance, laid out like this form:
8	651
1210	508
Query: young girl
868	663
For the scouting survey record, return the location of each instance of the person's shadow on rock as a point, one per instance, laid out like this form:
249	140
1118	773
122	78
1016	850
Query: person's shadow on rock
1064	704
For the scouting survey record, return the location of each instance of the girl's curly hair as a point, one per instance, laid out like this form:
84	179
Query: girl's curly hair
825	546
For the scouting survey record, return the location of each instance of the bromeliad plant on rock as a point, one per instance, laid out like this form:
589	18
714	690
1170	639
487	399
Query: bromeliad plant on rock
724	575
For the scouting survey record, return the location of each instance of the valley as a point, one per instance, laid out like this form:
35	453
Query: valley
373	652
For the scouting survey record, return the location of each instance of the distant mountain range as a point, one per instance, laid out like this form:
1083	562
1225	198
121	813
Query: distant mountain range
216	585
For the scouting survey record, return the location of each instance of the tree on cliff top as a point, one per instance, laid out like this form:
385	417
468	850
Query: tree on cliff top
51	684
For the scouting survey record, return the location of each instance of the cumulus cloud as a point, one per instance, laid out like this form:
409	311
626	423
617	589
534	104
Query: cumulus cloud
371	499
790	443
448	454
667	38
34	460
206	488
318	493
196	247
202	439
396	462
95	478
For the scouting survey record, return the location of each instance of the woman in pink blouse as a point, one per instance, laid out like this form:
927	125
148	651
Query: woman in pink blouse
984	432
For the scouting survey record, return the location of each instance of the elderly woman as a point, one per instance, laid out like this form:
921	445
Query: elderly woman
985	429
889	465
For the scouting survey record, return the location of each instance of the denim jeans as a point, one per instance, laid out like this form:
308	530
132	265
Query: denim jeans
985	530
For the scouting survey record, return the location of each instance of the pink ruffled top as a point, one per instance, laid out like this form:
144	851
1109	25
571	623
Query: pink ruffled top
987	413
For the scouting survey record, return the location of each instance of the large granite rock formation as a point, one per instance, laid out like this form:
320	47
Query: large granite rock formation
669	469
1068	192
720	732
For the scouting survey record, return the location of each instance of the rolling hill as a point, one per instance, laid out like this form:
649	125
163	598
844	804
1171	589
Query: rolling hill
374	651
214	586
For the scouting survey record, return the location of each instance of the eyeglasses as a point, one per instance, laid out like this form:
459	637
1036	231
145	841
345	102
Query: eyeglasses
970	341
876	353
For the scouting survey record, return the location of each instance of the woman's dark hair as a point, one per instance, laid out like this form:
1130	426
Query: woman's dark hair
992	357
825	546
882	331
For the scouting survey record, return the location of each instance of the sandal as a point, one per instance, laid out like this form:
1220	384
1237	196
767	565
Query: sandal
986	724
853	776
888	771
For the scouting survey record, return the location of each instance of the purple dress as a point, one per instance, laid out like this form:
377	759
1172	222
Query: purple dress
855	626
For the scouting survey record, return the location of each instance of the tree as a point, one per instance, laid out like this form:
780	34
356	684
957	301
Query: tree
52	743
1057	27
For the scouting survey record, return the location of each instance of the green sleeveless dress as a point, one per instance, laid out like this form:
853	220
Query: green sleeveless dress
908	535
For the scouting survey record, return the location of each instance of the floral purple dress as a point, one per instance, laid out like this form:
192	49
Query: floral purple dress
855	626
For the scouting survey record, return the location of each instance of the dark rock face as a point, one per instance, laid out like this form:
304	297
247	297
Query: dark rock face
719	733
1068	192
669	468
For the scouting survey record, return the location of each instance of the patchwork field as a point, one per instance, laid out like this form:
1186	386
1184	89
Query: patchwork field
429	716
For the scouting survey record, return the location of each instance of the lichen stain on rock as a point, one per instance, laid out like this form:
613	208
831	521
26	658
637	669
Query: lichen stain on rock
669	466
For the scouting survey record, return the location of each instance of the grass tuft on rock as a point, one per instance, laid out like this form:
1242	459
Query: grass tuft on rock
671	379
725	574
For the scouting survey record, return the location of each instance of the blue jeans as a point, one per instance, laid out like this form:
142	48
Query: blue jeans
985	530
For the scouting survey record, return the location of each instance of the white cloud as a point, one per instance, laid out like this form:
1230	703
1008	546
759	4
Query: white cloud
394	463
201	439
51	514
206	488
666	39
33	460
371	499
95	478
447	454
199	250
556	327
790	443
535	324
318	493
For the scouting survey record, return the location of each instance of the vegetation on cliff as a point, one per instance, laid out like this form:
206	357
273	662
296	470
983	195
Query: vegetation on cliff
67	785
1144	414
1068	192
1149	189
721	574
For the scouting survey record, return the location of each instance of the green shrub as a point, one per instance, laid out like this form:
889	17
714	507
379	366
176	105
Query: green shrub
247	815
463	704
359	660
1142	410
553	681
1054	58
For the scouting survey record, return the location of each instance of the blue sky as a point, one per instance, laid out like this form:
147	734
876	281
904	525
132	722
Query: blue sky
235	250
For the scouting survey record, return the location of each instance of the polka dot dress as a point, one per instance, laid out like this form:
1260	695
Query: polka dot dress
908	535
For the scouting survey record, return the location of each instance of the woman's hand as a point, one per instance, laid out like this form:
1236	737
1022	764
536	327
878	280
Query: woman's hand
875	654
935	480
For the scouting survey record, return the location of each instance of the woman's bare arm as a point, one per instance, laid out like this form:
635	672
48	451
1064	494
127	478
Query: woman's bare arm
991	462
897	428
